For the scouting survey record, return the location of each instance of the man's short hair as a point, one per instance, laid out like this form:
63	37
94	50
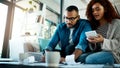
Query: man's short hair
71	8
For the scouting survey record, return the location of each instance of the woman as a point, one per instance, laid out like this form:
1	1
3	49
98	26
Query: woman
104	19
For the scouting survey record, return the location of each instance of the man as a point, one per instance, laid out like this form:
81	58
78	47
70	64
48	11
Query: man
70	34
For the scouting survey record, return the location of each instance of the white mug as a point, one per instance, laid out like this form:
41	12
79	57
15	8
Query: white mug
52	58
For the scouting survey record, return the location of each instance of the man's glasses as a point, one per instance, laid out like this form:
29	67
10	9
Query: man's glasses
70	19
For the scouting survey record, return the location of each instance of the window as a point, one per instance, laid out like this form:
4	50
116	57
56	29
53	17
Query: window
19	21
51	23
3	17
51	15
25	18
41	22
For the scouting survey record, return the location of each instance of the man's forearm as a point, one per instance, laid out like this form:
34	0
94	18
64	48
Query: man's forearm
77	53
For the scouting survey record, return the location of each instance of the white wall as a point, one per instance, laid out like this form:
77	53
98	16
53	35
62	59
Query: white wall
52	4
81	4
116	3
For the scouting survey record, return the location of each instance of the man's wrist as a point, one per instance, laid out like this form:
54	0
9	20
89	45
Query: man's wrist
45	50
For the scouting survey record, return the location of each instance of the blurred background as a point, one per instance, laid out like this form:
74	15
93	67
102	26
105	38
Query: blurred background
28	25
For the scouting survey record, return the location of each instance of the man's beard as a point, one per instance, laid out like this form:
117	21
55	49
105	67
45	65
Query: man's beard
70	25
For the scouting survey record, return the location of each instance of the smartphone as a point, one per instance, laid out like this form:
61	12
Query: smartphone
91	34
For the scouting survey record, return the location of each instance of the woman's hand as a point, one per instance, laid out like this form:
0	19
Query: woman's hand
97	39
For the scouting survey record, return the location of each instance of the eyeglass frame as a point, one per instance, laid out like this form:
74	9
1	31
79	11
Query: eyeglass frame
70	19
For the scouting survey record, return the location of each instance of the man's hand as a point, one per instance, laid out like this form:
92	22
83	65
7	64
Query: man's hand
43	59
77	53
62	59
43	56
97	39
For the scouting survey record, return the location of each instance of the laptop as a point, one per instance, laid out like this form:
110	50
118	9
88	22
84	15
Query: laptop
16	47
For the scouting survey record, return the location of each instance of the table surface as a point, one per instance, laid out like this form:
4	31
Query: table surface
15	64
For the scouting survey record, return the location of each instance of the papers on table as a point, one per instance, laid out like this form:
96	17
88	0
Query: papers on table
70	59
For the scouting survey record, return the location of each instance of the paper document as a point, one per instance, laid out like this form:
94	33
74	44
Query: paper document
70	59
